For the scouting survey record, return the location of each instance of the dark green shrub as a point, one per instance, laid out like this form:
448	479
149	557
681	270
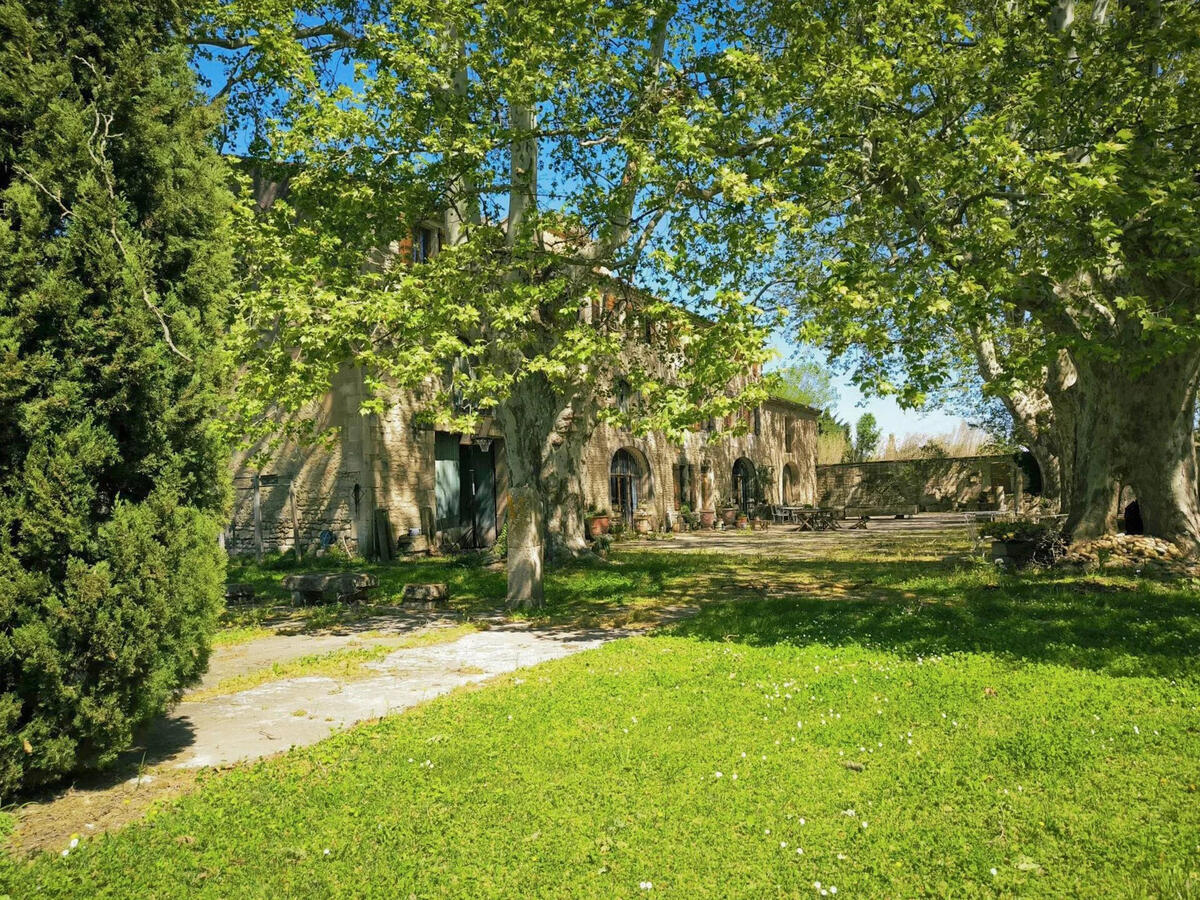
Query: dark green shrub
114	256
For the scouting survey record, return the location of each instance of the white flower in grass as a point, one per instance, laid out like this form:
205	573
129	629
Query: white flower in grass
74	843
848	812
817	885
716	774
66	853
645	885
801	821
327	851
799	851
994	872
832	889
864	824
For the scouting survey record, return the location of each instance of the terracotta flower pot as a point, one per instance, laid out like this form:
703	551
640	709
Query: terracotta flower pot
708	518
729	514
598	525
641	524
742	520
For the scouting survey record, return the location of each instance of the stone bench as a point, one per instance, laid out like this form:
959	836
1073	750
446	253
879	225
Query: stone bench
324	587
426	596
237	593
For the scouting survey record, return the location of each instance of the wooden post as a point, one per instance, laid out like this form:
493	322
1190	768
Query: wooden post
295	521
257	503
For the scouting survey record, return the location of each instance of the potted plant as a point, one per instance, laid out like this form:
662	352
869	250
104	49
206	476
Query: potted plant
708	518
742	520
691	521
643	523
599	521
728	511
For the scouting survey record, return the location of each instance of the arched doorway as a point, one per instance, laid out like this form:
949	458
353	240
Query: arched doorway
624	483
788	484
745	484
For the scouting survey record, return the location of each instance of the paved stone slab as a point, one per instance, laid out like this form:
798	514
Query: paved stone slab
301	711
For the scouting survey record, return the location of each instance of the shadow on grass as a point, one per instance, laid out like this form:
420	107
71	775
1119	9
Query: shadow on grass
906	602
1118	625
588	591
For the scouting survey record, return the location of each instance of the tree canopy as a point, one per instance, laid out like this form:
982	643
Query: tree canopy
583	168
1017	181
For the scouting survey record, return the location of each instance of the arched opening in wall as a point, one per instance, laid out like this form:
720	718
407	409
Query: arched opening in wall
627	482
789	484
745	484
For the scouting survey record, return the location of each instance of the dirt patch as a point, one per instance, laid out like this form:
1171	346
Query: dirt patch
95	804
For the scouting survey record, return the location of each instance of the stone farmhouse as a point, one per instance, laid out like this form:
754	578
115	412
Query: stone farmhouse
391	483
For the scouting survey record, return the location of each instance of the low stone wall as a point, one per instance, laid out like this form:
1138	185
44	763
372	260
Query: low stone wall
934	484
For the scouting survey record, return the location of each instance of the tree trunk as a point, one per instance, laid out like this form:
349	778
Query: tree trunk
1160	450
520	419
1091	404
544	436
562	478
525	551
1031	408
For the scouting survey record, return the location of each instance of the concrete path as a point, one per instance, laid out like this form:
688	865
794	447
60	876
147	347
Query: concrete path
292	712
300	711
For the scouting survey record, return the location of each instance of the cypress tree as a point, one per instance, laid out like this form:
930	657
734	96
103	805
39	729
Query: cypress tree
114	215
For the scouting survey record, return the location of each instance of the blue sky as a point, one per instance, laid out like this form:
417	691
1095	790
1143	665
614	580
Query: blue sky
852	403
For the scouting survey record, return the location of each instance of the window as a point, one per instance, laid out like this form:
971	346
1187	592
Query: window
789	425
758	421
623	477
425	244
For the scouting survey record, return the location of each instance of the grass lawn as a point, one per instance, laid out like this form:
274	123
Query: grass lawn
884	723
587	593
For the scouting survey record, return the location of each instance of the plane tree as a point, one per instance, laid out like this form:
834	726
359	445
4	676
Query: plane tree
1020	181
581	169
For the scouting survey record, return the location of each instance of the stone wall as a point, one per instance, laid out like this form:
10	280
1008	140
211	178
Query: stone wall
711	454
331	481
367	467
372	466
949	483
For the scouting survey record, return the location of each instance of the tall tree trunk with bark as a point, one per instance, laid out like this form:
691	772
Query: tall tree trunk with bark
562	477
524	418
1034	416
1089	405
544	434
1159	417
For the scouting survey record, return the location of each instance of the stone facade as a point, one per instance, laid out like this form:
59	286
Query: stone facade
780	443
386	484
935	484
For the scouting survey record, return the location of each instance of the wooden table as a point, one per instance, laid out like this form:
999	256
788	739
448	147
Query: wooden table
809	518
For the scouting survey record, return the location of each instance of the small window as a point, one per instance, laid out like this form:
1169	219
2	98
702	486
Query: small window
757	421
789	425
425	244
